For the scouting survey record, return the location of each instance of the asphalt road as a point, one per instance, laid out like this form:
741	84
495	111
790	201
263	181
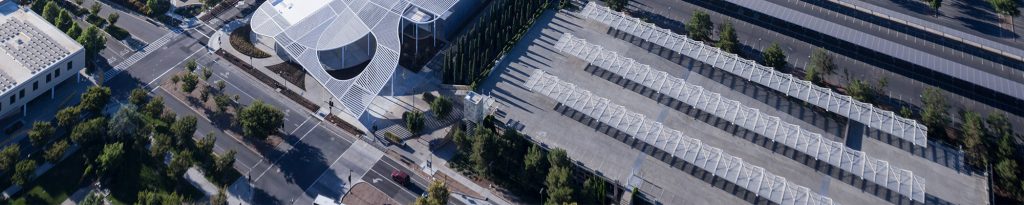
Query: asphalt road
281	174
380	177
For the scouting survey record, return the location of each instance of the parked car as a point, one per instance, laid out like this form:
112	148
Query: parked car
400	177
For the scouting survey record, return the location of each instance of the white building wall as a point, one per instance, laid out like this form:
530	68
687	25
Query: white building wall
68	68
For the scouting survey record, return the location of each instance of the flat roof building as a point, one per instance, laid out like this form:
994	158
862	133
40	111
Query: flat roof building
35	56
352	48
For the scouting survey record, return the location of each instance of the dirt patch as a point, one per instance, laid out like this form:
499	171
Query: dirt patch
364	193
291	72
222	119
455	186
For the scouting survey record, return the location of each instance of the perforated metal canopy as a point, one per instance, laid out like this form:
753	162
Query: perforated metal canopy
338	23
711	159
772	127
886	121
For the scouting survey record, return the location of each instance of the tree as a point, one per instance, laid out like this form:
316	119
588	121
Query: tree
23	171
68	116
1007	8
259	119
56	151
463	144
1006	170
63	20
536	165
413	121
973	139
112	18
617	5
934	114
154	108
138	97
182	130
860	90
220	85
821	64
74	30
125	124
188	82
204	93
89	131
934	4
484	151
50	11
220	198
727	40
9	155
95	8
437	194
557	157
160	145
93	41
180	162
593	191
222	101
559	191
204	151
225	162
441	106
191	65
699	26
92	199
158	198
155	7
774	57
110	159
95	99
40	132
207	73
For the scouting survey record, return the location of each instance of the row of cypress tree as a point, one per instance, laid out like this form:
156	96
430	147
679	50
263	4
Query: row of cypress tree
470	57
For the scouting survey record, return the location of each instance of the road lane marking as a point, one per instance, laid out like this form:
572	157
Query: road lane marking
285	153
171	68
300	125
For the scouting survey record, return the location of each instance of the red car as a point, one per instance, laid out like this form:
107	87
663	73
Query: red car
400	177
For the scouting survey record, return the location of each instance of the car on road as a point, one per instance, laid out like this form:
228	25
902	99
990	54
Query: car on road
400	177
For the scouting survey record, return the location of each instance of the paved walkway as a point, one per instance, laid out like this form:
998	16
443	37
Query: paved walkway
439	163
239	192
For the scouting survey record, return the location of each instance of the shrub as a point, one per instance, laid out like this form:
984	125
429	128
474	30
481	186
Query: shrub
240	41
413	121
441	107
188	82
391	137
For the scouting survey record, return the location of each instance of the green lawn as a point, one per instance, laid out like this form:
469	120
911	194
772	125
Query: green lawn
56	185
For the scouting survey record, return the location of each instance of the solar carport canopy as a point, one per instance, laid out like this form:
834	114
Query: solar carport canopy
711	159
886	121
810	143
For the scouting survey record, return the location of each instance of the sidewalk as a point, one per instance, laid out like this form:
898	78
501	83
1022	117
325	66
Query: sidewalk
239	192
439	163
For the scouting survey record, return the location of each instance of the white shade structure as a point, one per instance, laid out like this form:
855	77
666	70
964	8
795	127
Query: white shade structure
304	29
886	121
711	159
772	127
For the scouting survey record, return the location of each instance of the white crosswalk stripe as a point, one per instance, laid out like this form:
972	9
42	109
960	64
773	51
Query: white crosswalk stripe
131	60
